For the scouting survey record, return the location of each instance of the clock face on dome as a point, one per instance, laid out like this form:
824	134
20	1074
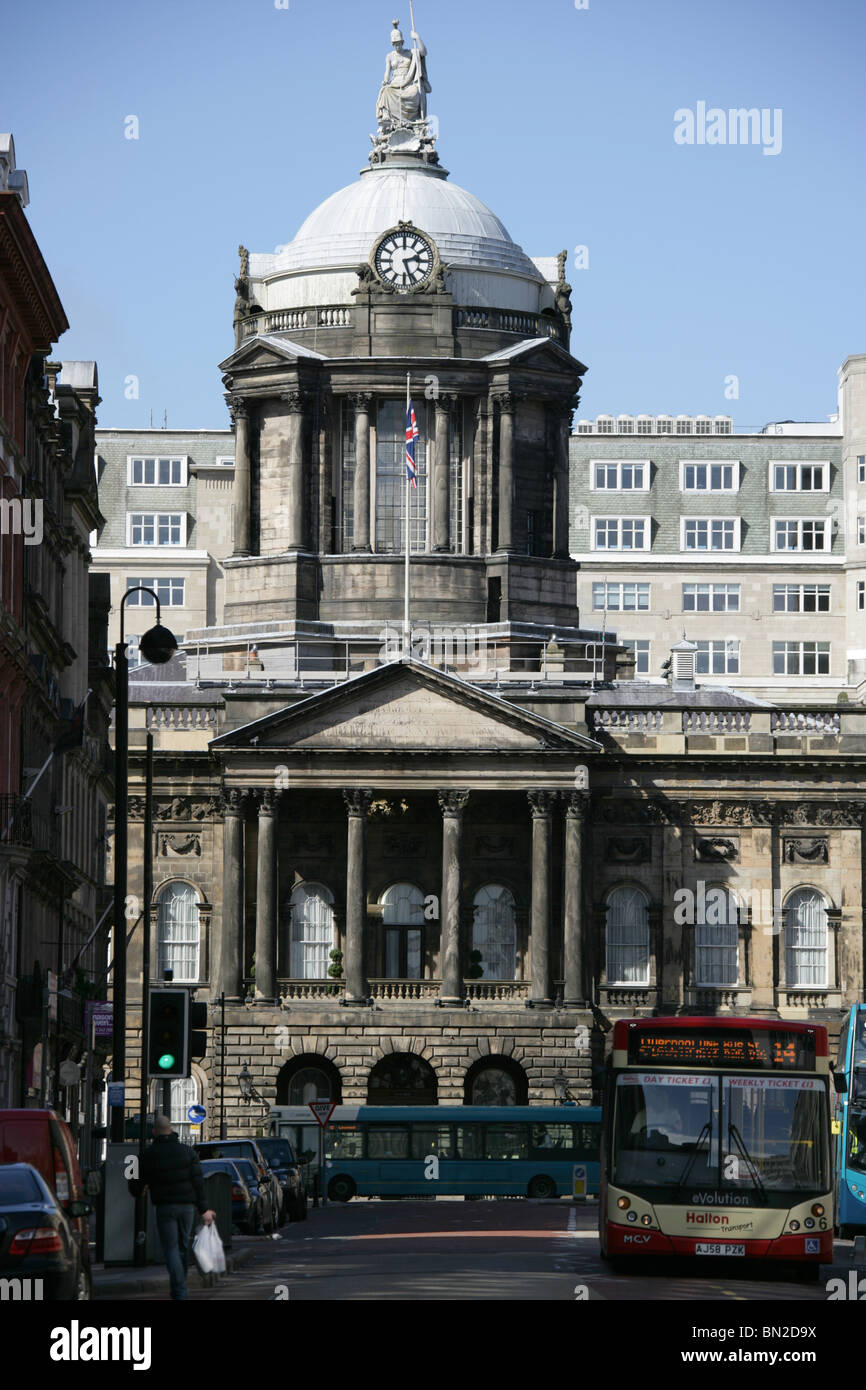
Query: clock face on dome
404	259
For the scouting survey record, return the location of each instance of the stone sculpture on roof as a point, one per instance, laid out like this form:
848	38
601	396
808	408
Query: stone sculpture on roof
401	106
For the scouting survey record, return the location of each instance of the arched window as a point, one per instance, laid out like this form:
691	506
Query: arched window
494	931
627	937
312	937
403	924
184	1093
717	940
178	932
402	1079
496	1081
806	940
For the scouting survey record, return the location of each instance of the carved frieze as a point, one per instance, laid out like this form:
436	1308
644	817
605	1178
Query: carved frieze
714	849
628	849
807	850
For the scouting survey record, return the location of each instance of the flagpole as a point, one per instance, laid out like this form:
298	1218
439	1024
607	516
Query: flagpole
407	643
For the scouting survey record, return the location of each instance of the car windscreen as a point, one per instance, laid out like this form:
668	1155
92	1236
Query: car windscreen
278	1152
18	1187
246	1170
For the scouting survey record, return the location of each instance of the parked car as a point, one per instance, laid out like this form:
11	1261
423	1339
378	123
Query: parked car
292	1175
39	1239
261	1192
249	1149
43	1139
246	1209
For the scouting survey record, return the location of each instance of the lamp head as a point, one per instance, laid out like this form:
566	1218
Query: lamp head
158	645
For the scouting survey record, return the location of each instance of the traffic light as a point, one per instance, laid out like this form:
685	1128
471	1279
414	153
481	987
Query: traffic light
168	1038
198	1030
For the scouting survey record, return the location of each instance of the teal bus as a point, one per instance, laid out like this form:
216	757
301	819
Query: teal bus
850	1078
441	1150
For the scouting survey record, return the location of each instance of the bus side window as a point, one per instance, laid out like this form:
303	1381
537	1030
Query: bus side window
505	1141
467	1141
387	1143
344	1143
548	1137
431	1139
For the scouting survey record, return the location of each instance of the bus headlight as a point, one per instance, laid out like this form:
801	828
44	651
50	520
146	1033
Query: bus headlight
818	1209
795	1225
646	1219
623	1203
632	1216
809	1223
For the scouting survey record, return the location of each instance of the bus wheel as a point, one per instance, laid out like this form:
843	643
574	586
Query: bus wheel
541	1187
341	1189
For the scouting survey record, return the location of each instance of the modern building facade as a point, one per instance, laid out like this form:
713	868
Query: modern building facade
753	544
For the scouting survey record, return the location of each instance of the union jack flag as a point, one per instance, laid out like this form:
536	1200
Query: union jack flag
411	436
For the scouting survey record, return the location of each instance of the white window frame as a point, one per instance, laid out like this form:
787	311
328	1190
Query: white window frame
168	545
709	521
801	594
170	952
726	944
641	668
619	464
820	950
711	594
140	600
799	465
619	520
225	460
707	648
733	464
620	586
638	942
861	530
311	931
798	521
861	468
800	645
182	459
861	595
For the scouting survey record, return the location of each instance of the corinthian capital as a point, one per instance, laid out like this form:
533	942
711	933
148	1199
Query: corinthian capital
576	805
233	799
268	801
295	401
362	400
453	803
541	803
358	801
239	409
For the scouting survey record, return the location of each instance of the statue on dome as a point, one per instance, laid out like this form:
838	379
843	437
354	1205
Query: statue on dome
402	100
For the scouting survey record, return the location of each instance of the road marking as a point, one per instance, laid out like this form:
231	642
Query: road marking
572	1221
462	1235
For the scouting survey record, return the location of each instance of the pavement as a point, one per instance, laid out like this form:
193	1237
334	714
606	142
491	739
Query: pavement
112	1281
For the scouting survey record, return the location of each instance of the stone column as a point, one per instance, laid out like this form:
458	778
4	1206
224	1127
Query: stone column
442	475
232	936
541	989
577	805
357	805
361	538
507	406
453	804
562	424
266	900
296	538
243	476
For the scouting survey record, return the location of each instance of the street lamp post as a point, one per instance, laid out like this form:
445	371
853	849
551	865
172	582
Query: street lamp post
157	646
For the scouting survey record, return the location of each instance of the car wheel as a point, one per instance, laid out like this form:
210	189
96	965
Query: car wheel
341	1189
541	1186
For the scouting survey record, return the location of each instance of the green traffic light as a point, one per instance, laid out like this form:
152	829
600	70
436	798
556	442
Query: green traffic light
166	1061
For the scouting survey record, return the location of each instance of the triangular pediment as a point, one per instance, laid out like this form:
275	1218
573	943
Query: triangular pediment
268	351
541	354
408	707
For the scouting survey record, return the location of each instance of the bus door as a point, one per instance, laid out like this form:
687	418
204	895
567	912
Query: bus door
389	1163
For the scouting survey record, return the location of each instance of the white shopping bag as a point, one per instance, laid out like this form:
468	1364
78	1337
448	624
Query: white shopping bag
208	1250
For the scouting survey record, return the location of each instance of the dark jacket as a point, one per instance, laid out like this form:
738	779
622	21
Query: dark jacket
172	1173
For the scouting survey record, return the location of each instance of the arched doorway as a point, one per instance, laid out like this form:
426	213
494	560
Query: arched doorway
402	1079
309	1077
496	1081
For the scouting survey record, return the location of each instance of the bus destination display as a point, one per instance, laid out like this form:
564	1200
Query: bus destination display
770	1049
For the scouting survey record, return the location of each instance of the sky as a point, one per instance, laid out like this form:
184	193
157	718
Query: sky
716	278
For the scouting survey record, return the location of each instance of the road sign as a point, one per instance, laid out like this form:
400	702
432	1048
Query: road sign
196	1113
70	1073
579	1180
115	1095
323	1110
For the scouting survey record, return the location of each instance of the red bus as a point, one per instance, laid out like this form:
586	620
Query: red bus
716	1141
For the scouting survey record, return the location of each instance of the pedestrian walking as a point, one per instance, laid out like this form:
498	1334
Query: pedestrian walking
171	1171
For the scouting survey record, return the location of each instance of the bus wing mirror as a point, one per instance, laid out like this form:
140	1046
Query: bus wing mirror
840	1082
